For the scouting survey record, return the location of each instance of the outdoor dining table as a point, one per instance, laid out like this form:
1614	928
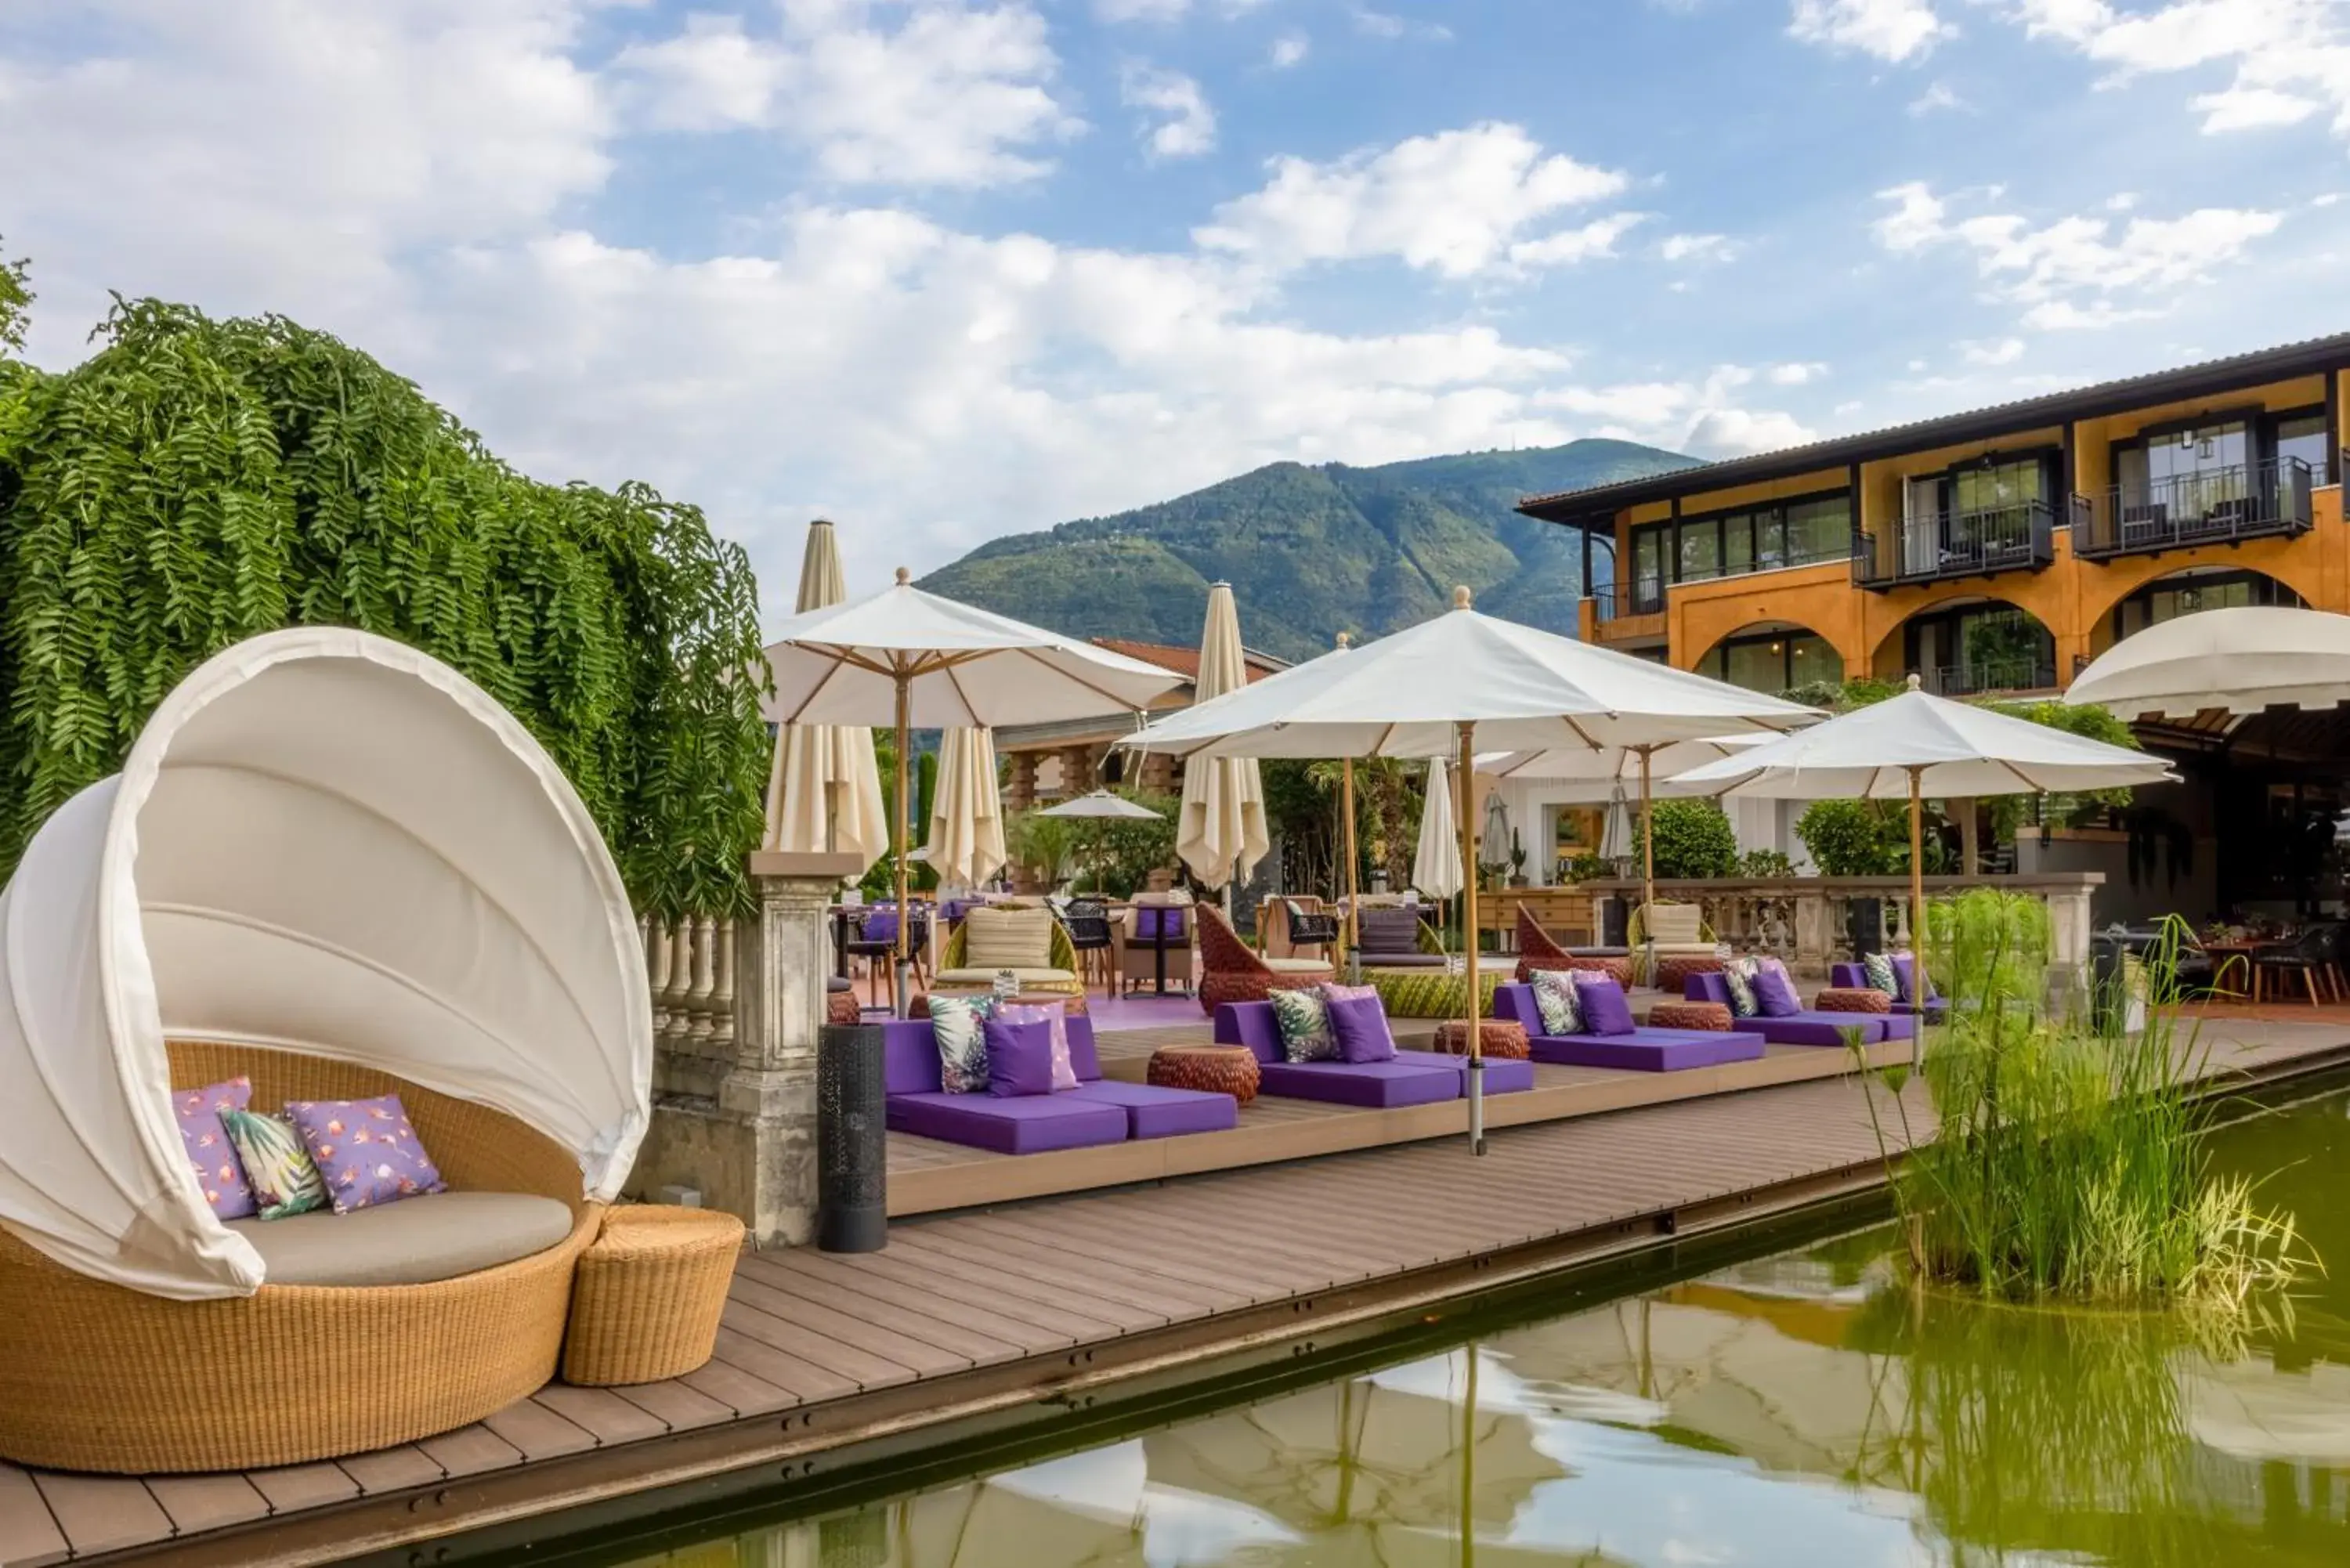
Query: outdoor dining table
2248	949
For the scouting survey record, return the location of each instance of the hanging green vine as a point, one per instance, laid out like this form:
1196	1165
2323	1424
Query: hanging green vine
195	482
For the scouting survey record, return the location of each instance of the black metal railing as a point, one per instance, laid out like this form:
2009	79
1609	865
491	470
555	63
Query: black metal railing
2212	506
1645	598
1989	675
1934	548
1603	604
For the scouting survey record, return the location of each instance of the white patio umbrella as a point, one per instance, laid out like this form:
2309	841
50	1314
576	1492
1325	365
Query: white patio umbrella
1101	803
824	787
1436	863
2240	660
966	842
1919	745
930	662
1222	834
1438	687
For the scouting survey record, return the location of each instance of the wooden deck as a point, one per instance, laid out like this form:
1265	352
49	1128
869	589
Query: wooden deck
1027	1309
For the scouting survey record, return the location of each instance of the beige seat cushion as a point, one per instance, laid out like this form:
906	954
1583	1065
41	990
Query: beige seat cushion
1295	965
997	939
1021	975
1674	923
411	1242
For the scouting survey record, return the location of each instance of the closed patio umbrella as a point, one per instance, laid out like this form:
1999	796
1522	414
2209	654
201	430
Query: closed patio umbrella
1223	835
824	786
930	662
2238	660
966	842
1919	745
1436	863
1102	805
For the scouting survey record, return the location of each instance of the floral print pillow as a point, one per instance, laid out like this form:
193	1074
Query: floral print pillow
1556	999
218	1174
1738	978
1303	1018
279	1169
959	1024
1878	966
366	1150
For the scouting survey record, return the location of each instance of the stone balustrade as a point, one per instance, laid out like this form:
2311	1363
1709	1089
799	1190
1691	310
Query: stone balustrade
690	971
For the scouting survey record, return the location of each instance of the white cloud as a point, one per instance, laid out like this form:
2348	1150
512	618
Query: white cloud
1185	125
944	93
1594	240
1938	98
2289	58
2080	271
1288	49
1387	24
1454	202
1699	416
1999	351
1797	374
1697	248
1892	30
1162	10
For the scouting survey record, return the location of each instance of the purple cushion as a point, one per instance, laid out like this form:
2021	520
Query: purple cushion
1154	1112
1848	976
909	1057
1503	1075
1774	993
1905	977
1360	1025
1160	924
1019	1058
1604	1009
1514	1003
1084	1059
1032	1123
364	1150
209	1153
1816	1028
1055	1020
1253	1024
1707	985
1902	1025
1648	1050
1384	1085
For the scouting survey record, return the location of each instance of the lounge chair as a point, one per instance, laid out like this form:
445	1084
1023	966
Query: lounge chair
1025	939
1095	1112
1809	1027
1297	927
1232	972
1156	943
1396	938
1641	1051
1413	1078
1854	977
1538	949
1675	937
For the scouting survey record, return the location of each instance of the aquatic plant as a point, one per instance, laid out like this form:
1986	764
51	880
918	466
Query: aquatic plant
2066	1156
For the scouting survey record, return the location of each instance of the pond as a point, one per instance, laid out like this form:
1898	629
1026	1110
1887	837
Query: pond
1792	1410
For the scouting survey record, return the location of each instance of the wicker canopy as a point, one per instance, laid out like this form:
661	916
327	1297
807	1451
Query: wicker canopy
324	842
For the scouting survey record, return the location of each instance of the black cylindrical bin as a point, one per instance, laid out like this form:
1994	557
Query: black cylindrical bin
2108	1001
1864	926
852	1201
1612	921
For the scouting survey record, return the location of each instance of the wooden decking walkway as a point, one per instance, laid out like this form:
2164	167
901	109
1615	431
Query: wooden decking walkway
1000	1311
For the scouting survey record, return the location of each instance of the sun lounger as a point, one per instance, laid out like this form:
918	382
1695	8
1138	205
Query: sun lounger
1641	1051
1094	1112
1809	1027
1413	1078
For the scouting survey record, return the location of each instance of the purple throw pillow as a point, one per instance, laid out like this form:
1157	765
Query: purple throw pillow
1774	991
1905	979
366	1151
1055	1018
1360	1025
1606	1011
1019	1057
214	1160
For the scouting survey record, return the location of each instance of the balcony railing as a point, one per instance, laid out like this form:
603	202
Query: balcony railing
1603	604
1941	545
1645	598
1991	675
2213	506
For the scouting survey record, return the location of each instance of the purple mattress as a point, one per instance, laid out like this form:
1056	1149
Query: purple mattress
1647	1049
1025	1124
1154	1112
1094	1112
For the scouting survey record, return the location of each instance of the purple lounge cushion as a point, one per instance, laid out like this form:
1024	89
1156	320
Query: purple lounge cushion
1502	1074
1084	1059
1156	1112
1905	975
1514	1003
1253	1024
1649	1050
366	1150
1774	992
1056	1019
1817	1028
210	1154
909	1057
1384	1085
1708	985
1032	1123
1019	1058
1360	1025
1604	1009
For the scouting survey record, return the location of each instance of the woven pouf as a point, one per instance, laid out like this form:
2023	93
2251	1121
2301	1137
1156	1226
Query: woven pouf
1213	1069
1852	999
1672	973
1496	1037
841	1007
646	1295
1710	1017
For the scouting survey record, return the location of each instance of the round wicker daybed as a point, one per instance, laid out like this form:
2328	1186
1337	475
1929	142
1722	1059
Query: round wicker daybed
334	866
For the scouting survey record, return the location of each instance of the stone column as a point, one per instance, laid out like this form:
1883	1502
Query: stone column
1022	792
748	1142
2069	929
1815	932
1076	771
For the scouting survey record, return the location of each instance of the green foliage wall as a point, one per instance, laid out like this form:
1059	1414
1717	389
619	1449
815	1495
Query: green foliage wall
1693	839
1856	837
197	482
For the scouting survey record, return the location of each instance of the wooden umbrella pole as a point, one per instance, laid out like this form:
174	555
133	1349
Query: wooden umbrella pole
1470	978
1354	898
1917	911
905	766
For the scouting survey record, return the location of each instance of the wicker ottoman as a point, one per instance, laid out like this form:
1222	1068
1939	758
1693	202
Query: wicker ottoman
1496	1037
841	1007
1710	1017
1216	1069
1852	999
1672	973
646	1295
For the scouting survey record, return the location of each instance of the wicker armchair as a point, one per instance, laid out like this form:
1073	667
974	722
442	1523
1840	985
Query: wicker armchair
1057	973
1537	949
93	1376
1231	970
1683	943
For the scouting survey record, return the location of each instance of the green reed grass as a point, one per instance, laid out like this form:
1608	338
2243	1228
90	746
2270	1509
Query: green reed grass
2068	1158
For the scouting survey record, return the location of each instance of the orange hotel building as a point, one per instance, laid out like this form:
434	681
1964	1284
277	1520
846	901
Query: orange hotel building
1998	551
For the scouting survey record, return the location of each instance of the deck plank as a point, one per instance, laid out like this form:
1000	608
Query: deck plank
889	1310
738	1390
393	1470
601	1413
470	1451
539	1432
290	1488
674	1405
198	1503
831	1339
29	1533
102	1513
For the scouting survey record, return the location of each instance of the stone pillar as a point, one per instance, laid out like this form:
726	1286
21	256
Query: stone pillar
1076	771
747	1143
1022	792
1815	932
2069	929
1159	773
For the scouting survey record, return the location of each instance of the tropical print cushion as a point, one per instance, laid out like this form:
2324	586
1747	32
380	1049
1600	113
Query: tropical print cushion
1738	978
284	1178
1056	1019
209	1154
959	1023
1304	1021
1555	999
366	1149
1880	973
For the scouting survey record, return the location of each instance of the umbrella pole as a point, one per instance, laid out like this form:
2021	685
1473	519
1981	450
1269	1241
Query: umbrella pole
1918	913
1648	870
1469	977
1346	810
1469	1465
905	767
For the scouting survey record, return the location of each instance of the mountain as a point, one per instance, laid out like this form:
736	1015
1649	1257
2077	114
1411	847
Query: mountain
1310	552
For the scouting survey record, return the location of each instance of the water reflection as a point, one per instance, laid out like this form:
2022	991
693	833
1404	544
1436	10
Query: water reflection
1802	1410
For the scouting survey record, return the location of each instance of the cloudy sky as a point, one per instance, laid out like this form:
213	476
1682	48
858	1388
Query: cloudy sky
945	269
